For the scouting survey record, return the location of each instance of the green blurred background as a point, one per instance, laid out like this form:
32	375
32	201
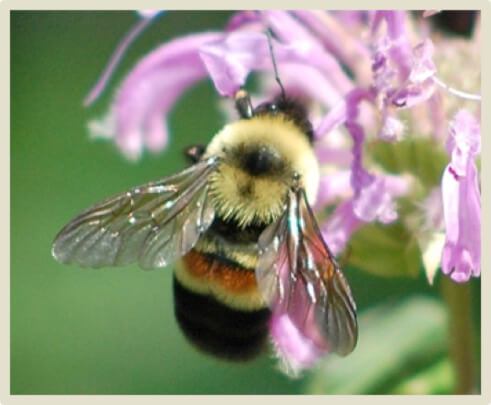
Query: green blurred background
112	331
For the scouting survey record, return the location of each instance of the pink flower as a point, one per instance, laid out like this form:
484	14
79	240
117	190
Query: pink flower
375	203
403	78
148	16
340	226
295	351
149	13
230	60
137	118
461	256
357	86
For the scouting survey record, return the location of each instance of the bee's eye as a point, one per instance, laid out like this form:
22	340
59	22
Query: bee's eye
271	108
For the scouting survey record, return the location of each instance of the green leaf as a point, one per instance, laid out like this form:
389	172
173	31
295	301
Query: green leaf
385	250
421	157
396	342
437	379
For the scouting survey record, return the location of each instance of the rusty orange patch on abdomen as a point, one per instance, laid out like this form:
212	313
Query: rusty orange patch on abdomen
211	269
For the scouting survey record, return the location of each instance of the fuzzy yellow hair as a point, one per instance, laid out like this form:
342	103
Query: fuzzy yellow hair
266	200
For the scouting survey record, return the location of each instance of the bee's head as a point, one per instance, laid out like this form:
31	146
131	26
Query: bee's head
292	108
260	160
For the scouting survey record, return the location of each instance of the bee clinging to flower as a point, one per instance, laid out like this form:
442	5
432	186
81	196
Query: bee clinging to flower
239	228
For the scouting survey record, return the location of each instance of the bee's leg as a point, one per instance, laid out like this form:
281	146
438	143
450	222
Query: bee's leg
194	153
243	104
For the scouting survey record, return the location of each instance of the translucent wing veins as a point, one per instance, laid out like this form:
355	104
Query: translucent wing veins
152	224
299	276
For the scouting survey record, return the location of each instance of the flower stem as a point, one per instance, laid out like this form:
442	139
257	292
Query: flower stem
116	57
461	334
459	93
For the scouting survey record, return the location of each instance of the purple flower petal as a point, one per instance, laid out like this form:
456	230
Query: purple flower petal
464	142
149	13
354	18
287	28
461	256
296	352
244	19
149	92
416	87
375	203
422	67
436	114
392	129
333	155
411	95
403	77
429	13
345	46
372	198
432	210
400	50
230	60
360	178
291	31
294	332
332	120
384	73
337	230
116	57
419	86
293	327
333	187
308	82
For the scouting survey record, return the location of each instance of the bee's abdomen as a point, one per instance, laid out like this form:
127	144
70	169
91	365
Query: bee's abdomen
221	278
218	306
218	329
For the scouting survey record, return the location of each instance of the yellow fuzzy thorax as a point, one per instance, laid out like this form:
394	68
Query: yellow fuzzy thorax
266	199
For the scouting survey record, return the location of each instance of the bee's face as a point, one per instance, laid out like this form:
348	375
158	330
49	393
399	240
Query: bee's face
260	158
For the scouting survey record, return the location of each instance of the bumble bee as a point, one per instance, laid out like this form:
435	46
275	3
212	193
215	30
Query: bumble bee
238	226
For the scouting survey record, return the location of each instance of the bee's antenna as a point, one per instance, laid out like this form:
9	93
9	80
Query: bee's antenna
273	60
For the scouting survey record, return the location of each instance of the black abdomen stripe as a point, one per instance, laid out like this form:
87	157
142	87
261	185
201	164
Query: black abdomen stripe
232	232
217	329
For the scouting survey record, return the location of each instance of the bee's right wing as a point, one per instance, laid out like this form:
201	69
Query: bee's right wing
299	277
152	224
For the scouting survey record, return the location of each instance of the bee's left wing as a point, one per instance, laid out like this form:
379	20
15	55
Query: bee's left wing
299	276
152	224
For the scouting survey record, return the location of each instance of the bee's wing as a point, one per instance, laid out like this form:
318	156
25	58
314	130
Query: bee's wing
151	224
299	276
